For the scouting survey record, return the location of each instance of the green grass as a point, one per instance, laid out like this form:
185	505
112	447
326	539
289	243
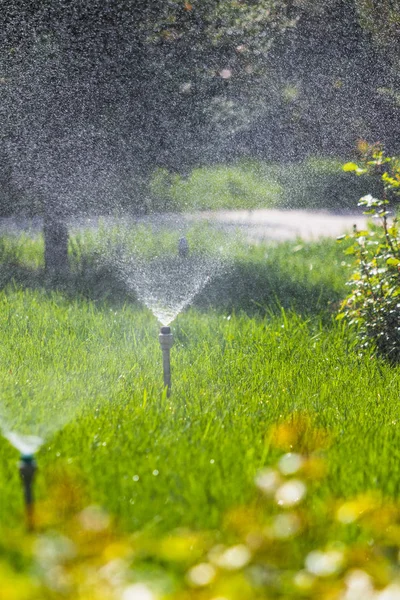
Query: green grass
260	343
308	278
81	366
197	452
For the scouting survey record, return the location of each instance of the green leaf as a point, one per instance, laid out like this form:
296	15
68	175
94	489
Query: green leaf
393	261
370	202
350	166
391	180
353	167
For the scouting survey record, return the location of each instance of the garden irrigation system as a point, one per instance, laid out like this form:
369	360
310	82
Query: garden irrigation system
27	465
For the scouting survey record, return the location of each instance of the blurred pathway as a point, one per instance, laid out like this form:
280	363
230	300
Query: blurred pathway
268	224
256	225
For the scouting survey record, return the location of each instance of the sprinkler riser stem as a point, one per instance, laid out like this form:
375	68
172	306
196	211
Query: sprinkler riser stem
27	470
166	340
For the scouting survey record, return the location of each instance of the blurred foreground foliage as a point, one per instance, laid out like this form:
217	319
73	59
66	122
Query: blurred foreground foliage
374	301
287	542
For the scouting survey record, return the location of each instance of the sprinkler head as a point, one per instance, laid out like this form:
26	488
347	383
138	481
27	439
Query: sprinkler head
27	458
183	247
27	469
166	338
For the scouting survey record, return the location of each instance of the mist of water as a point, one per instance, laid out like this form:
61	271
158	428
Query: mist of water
26	444
162	278
33	411
166	285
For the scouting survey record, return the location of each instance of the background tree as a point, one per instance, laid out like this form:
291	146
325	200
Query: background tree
95	95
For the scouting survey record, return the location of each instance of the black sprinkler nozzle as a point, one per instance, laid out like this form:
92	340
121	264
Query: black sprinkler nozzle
183	247
27	470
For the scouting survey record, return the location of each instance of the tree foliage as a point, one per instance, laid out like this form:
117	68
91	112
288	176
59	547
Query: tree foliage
95	95
382	20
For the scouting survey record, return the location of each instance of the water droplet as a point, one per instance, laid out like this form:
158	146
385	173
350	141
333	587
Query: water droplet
304	581
225	73
155	472
268	481
136	478
290	463
285	526
138	591
324	564
359	585
94	518
26	444
232	558
201	575
290	493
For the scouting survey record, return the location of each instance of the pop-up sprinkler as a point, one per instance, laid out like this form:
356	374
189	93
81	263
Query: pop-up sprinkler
27	470
183	247
166	340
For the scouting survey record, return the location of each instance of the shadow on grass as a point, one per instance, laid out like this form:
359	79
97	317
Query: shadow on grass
99	284
255	287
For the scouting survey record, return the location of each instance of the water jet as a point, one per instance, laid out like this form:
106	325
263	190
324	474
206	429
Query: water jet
166	262
166	340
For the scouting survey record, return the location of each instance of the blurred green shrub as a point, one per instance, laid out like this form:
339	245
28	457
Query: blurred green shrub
317	183
213	188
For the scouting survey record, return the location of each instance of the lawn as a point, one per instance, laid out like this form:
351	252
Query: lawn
259	346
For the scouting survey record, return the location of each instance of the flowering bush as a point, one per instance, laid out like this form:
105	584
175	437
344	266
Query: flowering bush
373	303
